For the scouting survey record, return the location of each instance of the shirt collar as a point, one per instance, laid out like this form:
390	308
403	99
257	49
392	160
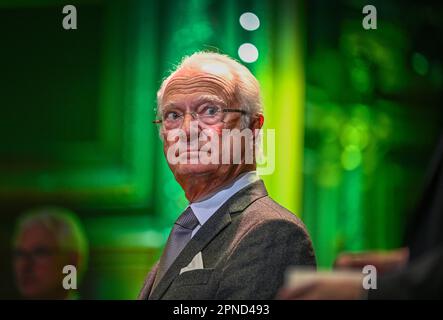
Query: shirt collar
204	209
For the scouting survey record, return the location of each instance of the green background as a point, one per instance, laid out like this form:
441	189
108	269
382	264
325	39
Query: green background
356	114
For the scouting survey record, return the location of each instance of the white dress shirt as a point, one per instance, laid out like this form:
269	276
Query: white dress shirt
204	209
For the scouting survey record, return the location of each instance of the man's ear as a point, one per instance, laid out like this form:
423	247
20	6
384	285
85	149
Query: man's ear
257	122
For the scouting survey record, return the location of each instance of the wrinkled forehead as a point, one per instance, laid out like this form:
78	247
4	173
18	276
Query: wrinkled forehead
192	84
36	235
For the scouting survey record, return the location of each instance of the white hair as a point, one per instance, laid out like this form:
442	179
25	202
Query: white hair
64	225
247	88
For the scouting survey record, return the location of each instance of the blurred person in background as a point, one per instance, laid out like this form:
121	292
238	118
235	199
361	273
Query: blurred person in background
45	241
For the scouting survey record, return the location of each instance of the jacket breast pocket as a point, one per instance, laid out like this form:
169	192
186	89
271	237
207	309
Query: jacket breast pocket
194	277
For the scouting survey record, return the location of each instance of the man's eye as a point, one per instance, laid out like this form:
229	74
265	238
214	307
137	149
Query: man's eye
18	253
172	116
42	252
209	111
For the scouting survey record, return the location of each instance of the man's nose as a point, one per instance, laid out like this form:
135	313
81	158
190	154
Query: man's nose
186	124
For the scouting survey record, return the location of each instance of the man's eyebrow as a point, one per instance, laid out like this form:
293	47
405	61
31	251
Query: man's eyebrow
209	98
170	105
200	100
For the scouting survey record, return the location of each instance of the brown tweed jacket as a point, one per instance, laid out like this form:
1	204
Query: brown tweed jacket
246	247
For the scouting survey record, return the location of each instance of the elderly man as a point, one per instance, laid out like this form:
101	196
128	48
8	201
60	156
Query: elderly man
232	241
46	240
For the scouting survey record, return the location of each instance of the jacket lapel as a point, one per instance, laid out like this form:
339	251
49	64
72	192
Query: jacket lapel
219	220
147	287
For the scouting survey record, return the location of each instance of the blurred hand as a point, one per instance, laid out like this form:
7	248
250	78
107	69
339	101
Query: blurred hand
345	287
384	261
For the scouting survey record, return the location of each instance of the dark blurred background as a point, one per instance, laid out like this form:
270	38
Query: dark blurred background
356	115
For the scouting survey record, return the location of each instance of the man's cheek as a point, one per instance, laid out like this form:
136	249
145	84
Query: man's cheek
166	147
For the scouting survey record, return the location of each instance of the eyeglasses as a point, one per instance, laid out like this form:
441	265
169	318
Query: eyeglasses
208	115
37	254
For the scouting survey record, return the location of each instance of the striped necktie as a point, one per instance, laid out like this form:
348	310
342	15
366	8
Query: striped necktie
178	239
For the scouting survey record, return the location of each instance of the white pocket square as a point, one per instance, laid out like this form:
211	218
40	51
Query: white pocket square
195	264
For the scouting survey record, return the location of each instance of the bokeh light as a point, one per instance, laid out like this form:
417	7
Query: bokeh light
249	21
248	52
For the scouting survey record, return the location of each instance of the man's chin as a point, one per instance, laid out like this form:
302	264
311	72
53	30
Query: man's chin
193	169
31	292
